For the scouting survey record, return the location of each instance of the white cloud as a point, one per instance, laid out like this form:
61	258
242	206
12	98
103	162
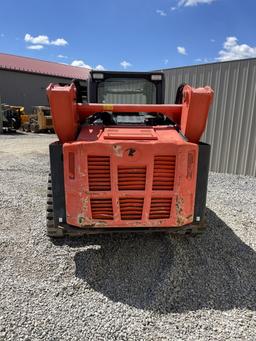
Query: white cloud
166	61
188	3
212	40
202	60
62	56
173	8
41	39
125	64
59	42
181	50
44	40
2	35
35	47
80	63
99	67
161	12
232	50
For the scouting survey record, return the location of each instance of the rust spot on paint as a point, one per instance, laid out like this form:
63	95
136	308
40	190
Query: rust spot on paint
85	202
152	223
100	224
81	220
179	211
84	221
118	151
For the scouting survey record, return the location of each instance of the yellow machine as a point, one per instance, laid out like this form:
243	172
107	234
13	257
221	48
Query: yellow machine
39	121
14	116
24	118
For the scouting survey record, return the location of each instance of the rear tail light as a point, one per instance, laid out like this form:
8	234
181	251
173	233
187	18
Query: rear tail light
71	163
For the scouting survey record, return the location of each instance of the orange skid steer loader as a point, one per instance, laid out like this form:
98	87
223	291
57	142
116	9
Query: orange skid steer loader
125	161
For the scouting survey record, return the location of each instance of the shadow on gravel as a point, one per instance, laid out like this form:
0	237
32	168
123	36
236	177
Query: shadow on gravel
13	132
171	274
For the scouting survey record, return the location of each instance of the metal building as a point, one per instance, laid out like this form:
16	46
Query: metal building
231	128
23	80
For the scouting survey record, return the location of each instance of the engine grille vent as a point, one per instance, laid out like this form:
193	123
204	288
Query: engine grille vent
99	173
160	208
131	178
164	172
102	209
131	208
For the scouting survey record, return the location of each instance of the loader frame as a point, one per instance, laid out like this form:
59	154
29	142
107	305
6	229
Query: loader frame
70	114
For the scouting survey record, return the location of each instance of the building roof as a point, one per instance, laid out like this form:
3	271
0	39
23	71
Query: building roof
243	60
32	65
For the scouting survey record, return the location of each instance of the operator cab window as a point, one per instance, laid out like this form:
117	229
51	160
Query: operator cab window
47	112
126	91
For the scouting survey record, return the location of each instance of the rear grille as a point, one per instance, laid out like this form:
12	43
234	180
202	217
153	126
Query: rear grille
131	208
102	209
99	173
160	208
131	178
164	172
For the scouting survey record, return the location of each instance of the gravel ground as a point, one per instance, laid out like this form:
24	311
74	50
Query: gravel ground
147	287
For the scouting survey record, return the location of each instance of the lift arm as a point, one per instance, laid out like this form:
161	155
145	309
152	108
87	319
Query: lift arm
190	116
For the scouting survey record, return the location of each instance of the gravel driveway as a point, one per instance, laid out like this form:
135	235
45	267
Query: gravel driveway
144	287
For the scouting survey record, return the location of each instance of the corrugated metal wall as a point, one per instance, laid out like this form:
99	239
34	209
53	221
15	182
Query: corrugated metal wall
231	128
26	89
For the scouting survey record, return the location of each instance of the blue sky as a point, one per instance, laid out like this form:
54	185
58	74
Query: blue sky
129	34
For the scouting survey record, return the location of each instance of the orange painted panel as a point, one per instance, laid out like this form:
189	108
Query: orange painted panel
123	183
195	111
190	117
